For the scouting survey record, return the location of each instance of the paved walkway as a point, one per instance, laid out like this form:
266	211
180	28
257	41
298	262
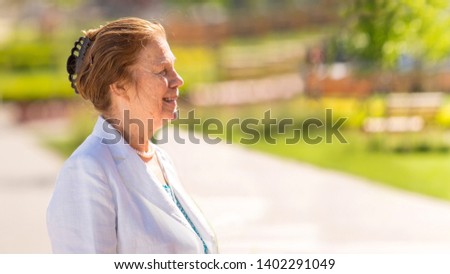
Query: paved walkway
27	174
256	203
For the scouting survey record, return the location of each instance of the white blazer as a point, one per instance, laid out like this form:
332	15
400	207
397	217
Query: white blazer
105	201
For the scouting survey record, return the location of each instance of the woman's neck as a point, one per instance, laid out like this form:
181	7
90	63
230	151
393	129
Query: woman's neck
135	132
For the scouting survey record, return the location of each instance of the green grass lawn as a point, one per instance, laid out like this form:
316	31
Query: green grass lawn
34	85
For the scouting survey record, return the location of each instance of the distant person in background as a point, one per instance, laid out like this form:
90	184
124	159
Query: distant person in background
118	192
316	71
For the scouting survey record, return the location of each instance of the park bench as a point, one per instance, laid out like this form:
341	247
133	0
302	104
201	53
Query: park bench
406	112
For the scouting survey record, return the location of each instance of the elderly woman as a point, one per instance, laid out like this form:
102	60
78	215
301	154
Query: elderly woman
118	192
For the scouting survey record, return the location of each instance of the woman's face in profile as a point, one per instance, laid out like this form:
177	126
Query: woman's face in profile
155	90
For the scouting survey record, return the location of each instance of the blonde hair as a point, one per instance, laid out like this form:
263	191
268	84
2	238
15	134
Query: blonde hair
113	49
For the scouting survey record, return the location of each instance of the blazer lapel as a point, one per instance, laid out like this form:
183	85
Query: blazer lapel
197	219
189	206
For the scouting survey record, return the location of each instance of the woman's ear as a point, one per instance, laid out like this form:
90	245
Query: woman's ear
119	89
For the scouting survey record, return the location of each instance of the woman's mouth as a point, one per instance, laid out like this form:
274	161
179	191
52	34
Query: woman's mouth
170	99
171	105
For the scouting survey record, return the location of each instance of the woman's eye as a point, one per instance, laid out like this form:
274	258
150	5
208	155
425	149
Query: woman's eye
163	72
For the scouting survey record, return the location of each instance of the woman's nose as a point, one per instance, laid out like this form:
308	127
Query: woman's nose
177	81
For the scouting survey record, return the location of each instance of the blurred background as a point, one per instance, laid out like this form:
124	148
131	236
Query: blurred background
383	65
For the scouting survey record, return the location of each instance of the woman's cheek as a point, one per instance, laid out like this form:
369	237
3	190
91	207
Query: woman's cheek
163	82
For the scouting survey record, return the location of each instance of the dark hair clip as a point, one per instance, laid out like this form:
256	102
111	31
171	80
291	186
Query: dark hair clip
76	59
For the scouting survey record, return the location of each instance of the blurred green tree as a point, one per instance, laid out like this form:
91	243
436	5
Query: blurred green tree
378	32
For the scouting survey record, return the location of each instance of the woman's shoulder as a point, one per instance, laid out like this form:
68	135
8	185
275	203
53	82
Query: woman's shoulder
87	167
91	153
93	147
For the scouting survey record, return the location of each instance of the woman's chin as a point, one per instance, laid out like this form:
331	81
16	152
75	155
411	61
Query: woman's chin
170	115
174	115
